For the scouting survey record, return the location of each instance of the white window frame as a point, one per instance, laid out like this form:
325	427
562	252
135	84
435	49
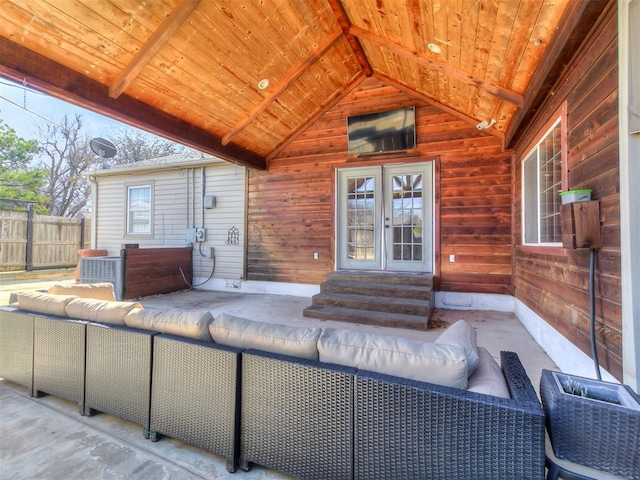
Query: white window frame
559	118
127	224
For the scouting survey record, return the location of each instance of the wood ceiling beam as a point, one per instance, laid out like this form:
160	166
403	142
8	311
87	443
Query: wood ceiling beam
577	21
442	67
328	106
288	79
461	116
343	21
151	47
18	64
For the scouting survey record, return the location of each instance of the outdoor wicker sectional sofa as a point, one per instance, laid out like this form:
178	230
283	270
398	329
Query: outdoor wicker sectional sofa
310	402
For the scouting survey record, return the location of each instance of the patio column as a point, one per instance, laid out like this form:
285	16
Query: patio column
629	124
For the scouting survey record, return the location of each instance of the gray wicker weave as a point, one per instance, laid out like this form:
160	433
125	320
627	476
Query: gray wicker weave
297	416
16	346
195	395
414	430
118	378
59	357
593	433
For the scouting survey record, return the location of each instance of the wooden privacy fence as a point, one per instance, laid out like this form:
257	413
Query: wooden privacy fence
34	242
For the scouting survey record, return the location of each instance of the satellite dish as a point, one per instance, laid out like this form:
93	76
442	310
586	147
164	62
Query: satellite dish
103	148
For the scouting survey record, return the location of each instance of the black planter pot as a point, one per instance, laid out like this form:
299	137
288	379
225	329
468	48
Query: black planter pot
600	430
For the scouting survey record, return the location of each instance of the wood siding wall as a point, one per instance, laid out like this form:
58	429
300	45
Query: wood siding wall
557	287
174	211
144	275
291	205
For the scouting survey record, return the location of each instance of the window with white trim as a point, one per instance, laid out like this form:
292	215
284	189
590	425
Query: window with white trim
543	178
139	210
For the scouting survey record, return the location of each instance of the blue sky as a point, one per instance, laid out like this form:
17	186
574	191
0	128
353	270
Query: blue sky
24	121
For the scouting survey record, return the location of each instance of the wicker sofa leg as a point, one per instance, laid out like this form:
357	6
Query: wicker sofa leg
245	465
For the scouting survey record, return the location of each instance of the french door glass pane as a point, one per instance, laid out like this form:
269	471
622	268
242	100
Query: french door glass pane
407	217
360	218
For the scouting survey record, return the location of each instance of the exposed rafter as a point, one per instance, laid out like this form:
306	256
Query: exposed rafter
187	69
20	64
430	101
289	78
429	63
155	43
328	106
344	23
580	17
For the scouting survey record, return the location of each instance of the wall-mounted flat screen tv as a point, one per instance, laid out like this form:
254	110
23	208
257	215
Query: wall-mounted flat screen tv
382	132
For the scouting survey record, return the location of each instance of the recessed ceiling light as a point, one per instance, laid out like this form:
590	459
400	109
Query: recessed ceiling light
537	42
263	84
434	48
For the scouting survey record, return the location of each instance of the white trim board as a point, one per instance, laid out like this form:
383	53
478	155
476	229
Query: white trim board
564	354
568	357
252	286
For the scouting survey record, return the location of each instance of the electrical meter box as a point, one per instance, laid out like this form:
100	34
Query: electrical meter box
209	201
196	235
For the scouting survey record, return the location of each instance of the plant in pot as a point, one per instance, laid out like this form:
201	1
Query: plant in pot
592	422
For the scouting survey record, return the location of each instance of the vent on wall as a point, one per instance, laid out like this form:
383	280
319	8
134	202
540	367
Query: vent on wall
103	269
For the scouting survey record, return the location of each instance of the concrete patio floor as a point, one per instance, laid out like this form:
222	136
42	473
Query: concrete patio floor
46	438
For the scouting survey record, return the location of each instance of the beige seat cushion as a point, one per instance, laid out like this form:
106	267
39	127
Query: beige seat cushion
488	377
191	324
427	362
99	291
270	337
461	333
43	302
100	310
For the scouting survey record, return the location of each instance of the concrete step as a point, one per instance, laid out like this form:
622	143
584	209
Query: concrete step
407	306
367	317
389	278
417	292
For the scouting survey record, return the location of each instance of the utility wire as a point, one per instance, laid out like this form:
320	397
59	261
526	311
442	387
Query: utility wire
33	113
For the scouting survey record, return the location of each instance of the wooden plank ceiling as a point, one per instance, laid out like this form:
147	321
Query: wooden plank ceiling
192	70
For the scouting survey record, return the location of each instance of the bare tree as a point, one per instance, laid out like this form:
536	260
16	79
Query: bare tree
136	145
65	154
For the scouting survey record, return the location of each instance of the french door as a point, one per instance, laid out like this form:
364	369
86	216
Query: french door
385	218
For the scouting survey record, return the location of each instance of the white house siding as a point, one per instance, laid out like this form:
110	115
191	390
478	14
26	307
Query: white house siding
177	206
